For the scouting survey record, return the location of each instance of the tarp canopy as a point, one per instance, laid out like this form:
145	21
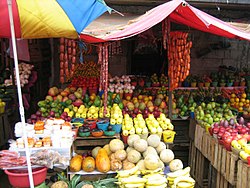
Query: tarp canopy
115	27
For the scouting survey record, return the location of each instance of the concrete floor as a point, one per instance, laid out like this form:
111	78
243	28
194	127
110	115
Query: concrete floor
4	182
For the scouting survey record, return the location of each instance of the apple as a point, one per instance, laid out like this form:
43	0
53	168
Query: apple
242	141
215	130
228	140
247	149
243	130
244	155
220	135
247	136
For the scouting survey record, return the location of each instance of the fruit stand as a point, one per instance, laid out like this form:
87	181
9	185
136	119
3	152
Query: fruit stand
125	125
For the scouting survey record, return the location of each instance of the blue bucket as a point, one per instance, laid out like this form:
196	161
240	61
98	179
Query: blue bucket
117	128
102	125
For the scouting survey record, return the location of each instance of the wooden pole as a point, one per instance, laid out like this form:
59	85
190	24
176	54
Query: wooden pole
170	99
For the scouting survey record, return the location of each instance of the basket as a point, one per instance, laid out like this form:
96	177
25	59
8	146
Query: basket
117	128
168	136
20	178
103	125
124	139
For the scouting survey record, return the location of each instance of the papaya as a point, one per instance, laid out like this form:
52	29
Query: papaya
102	161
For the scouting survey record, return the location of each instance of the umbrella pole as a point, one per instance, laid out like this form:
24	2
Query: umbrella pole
19	91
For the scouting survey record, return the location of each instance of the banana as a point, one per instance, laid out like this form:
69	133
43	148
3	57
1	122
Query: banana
152	176
156	182
132	180
178	173
157	186
126	173
185	185
186	179
145	172
138	185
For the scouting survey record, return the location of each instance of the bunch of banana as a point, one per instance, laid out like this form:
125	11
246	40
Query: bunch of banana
155	180
184	182
130	178
172	176
127	125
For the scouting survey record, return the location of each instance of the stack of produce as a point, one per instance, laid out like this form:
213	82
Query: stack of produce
142	164
228	131
179	58
86	75
24	73
68	51
121	85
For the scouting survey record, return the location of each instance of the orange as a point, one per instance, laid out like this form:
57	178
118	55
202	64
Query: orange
237	99
242	100
247	101
244	95
233	95
232	100
240	109
241	104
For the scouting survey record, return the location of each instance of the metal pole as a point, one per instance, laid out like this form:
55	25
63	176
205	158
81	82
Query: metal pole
19	91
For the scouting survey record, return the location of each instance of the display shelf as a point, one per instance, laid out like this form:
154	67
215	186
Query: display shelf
82	142
33	166
194	88
101	137
95	172
65	151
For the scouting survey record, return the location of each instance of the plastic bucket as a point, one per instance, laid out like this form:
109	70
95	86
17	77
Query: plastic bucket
20	178
102	125
117	128
124	139
168	136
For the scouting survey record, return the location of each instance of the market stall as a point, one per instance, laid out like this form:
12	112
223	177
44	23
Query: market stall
78	113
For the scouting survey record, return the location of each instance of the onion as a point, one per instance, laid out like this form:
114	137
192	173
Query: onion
241	121
231	122
226	124
222	123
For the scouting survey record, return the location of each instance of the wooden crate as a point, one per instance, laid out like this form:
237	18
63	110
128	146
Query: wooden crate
82	143
221	182
199	131
243	175
205	147
199	166
230	172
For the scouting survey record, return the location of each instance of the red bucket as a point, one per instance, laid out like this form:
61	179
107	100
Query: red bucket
20	178
124	139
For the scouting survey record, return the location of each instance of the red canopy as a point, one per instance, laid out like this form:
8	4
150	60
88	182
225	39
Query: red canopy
107	28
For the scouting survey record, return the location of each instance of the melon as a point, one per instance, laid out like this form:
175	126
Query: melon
129	149
120	154
141	165
95	151
161	147
133	156
132	138
107	148
151	162
115	145
141	145
150	150
167	155
154	140
175	165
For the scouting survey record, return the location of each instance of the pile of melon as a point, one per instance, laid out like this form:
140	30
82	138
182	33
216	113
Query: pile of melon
147	154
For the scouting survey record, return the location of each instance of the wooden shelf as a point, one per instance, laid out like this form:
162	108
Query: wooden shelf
95	172
94	138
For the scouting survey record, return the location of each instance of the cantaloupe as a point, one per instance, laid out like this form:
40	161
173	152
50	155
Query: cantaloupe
115	145
133	156
167	155
150	150
161	147
141	145
154	140
175	165
129	149
95	151
151	162
141	165
132	138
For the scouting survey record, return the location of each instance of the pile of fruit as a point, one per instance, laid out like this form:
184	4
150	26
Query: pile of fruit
233	134
144	163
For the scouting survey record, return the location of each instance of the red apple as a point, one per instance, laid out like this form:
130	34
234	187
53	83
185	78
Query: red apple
243	130
215	130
